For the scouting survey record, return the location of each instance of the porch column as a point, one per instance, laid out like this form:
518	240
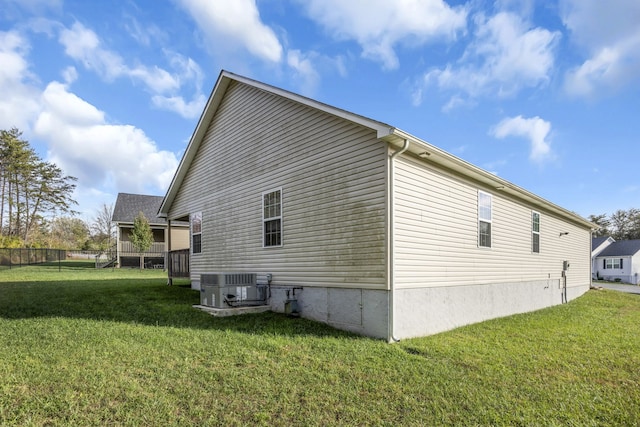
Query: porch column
167	257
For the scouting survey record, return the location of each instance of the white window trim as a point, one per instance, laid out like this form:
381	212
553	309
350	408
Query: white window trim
191	233
533	232
613	263
490	220
280	217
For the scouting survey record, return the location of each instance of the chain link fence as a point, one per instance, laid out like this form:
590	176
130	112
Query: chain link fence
17	257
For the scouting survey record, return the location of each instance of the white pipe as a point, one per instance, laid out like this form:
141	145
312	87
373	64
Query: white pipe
390	234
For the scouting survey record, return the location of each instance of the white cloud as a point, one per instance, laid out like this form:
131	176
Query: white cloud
18	102
378	26
609	34
83	45
70	75
304	70
10	7
105	157
68	108
233	24
100	154
144	34
190	71
177	104
507	55
535	130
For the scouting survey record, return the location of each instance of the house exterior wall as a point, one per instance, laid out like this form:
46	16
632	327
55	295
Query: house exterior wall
594	252
374	242
629	273
634	274
332	174
443	279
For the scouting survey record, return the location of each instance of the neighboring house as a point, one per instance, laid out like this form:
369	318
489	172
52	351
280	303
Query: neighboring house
598	244
619	261
126	209
373	230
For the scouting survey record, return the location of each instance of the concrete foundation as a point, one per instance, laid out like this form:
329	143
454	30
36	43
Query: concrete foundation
361	311
417	312
427	311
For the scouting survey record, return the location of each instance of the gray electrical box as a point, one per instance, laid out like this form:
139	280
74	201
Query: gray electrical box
565	265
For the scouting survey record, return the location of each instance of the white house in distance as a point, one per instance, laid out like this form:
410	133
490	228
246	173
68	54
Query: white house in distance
378	231
619	261
598	244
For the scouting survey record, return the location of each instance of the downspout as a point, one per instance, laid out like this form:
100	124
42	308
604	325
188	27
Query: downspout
391	243
167	256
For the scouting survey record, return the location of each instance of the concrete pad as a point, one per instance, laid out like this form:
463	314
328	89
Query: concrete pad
232	311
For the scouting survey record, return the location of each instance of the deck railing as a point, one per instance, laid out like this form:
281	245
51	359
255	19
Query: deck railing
127	247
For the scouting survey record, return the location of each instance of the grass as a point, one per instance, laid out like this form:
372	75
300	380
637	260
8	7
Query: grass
118	347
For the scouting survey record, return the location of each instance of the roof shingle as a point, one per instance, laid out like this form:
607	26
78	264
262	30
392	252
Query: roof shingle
129	205
621	248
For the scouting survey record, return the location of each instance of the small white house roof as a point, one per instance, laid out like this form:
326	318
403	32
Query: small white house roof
621	248
385	132
598	244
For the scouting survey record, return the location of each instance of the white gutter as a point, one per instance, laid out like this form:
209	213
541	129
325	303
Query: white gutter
470	171
391	244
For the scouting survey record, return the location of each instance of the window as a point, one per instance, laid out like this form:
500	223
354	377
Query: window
484	219
613	263
272	218
535	232
196	233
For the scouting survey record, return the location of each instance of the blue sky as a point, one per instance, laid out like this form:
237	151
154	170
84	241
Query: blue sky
545	94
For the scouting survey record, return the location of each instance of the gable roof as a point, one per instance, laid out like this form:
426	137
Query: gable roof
621	248
384	132
129	205
597	241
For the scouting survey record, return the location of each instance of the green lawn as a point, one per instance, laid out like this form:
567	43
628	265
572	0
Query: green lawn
119	347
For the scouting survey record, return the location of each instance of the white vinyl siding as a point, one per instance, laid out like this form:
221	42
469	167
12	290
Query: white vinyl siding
333	173
436	238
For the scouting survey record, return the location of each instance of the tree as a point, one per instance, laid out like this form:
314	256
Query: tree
141	236
102	228
603	222
68	233
621	225
30	188
625	225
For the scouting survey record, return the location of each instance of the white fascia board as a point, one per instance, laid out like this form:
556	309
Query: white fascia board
194	142
381	129
464	168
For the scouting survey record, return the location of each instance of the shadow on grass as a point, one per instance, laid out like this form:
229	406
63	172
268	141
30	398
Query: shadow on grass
140	301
